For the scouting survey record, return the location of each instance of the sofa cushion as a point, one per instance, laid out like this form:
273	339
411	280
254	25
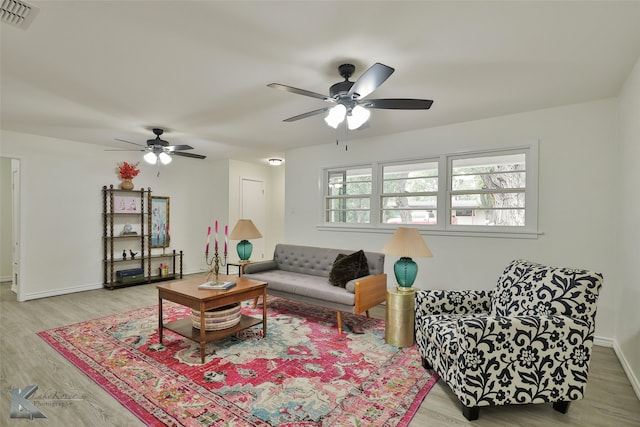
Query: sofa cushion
307	285
348	267
530	289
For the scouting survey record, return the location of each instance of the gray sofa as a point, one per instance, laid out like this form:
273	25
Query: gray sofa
301	273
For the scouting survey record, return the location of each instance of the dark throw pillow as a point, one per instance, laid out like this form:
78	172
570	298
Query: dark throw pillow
348	267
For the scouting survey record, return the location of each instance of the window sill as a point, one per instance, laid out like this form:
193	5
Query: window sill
430	231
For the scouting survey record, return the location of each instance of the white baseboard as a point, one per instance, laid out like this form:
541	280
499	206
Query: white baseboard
62	291
603	341
635	384
612	343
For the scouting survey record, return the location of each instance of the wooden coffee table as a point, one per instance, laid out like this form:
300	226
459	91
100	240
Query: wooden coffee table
185	292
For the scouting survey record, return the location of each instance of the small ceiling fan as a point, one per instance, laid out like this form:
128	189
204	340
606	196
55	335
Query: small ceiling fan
159	149
348	98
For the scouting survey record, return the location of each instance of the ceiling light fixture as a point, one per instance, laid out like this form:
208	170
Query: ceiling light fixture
356	116
165	159
336	116
150	158
275	162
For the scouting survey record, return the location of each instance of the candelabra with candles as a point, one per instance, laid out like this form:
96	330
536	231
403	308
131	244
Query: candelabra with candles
214	265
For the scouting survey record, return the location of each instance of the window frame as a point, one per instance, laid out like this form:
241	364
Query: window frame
326	197
443	226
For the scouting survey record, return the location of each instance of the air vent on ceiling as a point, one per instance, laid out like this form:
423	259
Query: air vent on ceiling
17	13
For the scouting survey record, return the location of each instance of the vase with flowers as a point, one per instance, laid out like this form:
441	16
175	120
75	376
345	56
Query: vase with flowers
127	171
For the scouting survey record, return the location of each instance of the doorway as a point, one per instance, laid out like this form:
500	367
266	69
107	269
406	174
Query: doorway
252	206
10	223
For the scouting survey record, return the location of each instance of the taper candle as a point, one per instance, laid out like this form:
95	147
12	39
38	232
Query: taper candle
226	238
206	249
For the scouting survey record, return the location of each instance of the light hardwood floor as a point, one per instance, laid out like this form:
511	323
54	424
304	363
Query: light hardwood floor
26	359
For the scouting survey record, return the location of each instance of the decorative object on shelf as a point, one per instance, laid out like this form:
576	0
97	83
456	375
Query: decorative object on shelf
124	254
133	254
126	204
215	262
406	243
127	230
164	270
126	172
243	231
160	237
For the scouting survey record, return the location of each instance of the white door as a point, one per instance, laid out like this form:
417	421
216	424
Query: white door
253	208
15	228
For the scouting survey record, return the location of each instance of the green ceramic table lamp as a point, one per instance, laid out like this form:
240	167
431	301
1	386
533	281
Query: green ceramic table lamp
407	243
243	231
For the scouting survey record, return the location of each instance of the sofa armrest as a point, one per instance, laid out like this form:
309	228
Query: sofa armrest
256	267
430	302
370	291
522	359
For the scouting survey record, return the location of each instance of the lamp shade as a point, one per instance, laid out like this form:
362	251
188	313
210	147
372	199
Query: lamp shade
406	243
244	230
336	115
357	117
150	158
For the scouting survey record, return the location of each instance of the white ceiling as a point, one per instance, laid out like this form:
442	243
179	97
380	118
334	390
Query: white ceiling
93	71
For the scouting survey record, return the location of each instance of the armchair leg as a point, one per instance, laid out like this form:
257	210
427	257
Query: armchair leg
471	413
562	406
339	322
426	364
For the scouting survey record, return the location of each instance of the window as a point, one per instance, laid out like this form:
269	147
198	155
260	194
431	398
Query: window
488	190
409	193
348	196
482	192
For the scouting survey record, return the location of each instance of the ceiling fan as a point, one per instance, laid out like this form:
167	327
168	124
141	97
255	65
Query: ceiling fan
348	98
159	149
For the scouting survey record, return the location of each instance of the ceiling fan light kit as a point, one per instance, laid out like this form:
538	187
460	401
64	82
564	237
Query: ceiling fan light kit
348	97
336	116
159	149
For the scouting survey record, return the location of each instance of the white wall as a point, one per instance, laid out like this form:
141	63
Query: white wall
577	183
61	208
628	321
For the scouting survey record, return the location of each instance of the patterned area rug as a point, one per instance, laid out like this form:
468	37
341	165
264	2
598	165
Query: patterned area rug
303	373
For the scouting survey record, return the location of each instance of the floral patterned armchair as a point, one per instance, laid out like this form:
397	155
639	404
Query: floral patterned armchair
529	340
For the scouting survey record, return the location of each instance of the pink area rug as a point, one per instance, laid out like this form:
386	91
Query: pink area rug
303	373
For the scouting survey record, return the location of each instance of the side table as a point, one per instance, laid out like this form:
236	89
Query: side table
400	318
239	264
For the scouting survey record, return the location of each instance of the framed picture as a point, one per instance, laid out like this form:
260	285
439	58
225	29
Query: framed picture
126	204
160	236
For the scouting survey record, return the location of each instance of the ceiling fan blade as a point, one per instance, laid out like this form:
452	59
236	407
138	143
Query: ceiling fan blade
305	115
399	104
193	156
123	149
370	80
129	142
295	90
178	147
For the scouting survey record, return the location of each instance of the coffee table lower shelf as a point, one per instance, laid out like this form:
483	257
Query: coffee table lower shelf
185	328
